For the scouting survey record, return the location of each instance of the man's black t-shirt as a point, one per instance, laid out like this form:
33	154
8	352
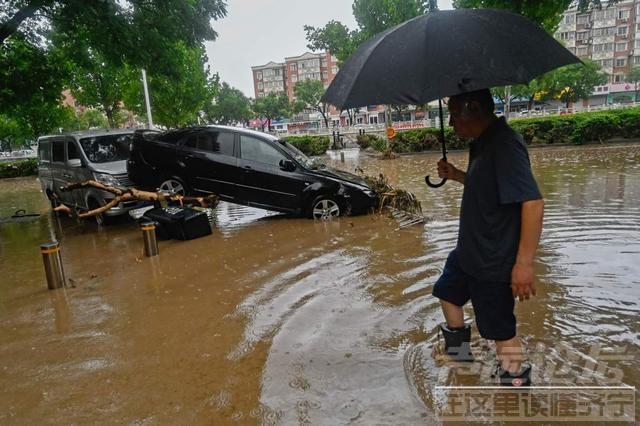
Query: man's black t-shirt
498	181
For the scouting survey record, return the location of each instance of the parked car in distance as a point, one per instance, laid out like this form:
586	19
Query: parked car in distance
99	155
245	167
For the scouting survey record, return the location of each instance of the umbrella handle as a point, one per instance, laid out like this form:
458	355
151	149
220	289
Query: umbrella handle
434	185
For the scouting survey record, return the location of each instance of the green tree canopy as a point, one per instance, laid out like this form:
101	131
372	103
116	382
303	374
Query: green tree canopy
372	17
271	106
308	94
102	41
176	100
574	82
228	107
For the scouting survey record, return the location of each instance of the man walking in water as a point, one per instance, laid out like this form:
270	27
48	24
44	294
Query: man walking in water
500	225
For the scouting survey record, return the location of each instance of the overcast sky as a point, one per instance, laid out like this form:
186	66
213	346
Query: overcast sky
255	32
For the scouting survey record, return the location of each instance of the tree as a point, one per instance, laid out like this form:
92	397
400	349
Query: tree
574	82
546	13
271	106
95	81
230	106
32	83
176	100
634	77
372	17
308	94
135	31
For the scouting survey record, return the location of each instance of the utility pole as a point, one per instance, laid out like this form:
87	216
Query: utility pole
146	98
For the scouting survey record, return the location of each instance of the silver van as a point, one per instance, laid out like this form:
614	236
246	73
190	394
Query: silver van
99	155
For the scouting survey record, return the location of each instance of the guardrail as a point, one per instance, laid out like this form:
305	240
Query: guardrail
433	122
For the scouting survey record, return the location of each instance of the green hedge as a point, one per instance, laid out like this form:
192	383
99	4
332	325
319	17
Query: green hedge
17	168
576	128
310	145
581	127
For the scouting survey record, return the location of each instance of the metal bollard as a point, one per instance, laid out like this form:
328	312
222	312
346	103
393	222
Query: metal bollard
149	238
342	156
52	265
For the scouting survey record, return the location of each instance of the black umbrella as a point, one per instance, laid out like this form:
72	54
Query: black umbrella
445	53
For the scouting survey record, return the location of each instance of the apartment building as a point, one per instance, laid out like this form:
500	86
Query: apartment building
610	36
279	77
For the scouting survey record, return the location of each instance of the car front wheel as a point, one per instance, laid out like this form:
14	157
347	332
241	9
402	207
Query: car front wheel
173	185
324	207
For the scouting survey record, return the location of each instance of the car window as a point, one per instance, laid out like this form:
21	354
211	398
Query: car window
107	148
44	151
57	151
72	151
257	150
212	141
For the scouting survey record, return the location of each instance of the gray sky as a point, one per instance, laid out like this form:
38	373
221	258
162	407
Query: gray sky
255	32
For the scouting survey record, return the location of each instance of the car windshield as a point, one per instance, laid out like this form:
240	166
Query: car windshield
300	157
106	148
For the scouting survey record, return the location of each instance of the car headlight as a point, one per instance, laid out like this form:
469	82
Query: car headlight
106	179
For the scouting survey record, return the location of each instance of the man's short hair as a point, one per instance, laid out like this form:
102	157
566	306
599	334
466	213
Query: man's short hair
483	97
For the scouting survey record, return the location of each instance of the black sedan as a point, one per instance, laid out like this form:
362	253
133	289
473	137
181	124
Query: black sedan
245	167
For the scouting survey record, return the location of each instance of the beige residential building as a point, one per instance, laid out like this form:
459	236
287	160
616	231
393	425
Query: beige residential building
278	77
610	36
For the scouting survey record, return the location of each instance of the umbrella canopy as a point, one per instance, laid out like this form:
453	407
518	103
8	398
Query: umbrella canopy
445	53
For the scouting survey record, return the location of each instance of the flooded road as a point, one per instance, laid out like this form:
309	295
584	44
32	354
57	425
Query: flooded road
274	320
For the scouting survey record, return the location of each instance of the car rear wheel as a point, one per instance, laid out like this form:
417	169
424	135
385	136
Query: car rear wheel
324	207
173	185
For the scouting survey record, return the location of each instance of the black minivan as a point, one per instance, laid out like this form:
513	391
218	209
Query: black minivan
245	167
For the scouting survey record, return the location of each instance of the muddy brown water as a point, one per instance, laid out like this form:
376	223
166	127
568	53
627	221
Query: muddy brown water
274	320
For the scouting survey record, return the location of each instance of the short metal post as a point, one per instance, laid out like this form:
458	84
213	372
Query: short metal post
342	156
149	238
52	265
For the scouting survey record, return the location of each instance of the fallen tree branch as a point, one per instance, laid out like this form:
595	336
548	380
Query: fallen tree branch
131	194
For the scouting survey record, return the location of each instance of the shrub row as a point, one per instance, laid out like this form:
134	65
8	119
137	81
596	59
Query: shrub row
310	145
576	128
17	168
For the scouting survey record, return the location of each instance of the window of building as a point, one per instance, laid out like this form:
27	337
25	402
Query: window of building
259	75
622	31
621	47
569	18
636	60
325	75
582	35
292	67
294	78
334	70
582	51
582	19
621	62
623	14
618	78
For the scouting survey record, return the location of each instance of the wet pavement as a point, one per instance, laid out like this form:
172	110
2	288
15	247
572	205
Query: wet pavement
276	320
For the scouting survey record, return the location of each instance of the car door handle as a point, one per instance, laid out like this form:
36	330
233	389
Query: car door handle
248	168
67	176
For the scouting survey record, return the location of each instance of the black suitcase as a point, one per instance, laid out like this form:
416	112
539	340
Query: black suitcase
179	223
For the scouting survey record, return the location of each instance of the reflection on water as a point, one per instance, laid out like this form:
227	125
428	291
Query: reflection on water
280	320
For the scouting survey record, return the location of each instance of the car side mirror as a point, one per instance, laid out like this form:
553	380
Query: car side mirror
74	162
287	165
